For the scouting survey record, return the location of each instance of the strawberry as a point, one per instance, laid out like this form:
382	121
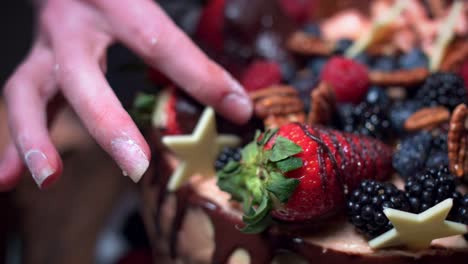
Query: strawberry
349	79
176	113
298	10
300	173
261	74
211	25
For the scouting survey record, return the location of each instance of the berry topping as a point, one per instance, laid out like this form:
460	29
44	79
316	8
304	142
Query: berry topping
226	155
304	82
316	64
413	59
384	63
429	188
349	79
261	74
211	25
420	150
366	119
402	110
366	204
459	212
312	29
446	89
300	173
464	72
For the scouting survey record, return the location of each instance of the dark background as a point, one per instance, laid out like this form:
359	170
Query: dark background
16	20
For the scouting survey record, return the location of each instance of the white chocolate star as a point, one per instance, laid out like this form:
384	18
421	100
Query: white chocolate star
416	231
197	152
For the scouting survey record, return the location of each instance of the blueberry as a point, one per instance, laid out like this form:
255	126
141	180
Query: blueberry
413	59
305	82
363	58
377	96
400	111
312	29
384	63
412	153
316	64
288	70
342	45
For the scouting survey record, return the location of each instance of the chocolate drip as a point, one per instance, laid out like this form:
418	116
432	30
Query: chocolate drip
323	146
182	195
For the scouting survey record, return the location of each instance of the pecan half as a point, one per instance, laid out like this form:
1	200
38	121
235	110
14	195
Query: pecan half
304	44
399	78
323	104
427	118
278	105
457	53
458	141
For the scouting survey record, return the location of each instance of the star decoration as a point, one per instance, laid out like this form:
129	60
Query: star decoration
416	231
197	152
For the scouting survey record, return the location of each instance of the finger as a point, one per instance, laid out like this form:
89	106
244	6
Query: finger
86	89
147	30
11	167
26	94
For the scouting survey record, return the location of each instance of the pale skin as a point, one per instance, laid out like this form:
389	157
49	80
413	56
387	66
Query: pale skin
68	56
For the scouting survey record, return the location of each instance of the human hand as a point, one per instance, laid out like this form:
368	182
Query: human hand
68	56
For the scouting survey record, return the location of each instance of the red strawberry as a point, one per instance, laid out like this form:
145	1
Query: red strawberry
301	173
211	25
176	112
349	79
261	74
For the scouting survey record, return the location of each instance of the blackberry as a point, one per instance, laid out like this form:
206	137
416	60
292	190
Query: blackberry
459	211
377	96
442	88
429	188
365	119
226	155
365	206
413	59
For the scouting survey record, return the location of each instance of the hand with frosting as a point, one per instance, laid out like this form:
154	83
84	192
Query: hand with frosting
68	57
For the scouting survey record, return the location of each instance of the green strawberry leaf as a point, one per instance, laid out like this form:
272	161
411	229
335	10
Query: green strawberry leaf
289	164
249	153
267	136
281	186
258	227
254	216
283	148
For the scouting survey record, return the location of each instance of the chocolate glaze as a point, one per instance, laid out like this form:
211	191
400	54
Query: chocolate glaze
263	247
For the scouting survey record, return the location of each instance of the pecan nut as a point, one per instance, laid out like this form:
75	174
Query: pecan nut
278	105
405	78
427	118
304	44
458	142
323	104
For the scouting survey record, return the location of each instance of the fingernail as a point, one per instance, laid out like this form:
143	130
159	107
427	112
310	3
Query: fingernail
238	104
234	84
38	165
131	159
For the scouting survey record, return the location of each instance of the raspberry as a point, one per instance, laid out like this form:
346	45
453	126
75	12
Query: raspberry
366	204
349	79
261	74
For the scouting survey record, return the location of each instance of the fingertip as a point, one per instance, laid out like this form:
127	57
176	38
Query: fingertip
235	104
11	168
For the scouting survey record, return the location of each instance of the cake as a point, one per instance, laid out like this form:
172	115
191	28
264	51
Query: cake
358	121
